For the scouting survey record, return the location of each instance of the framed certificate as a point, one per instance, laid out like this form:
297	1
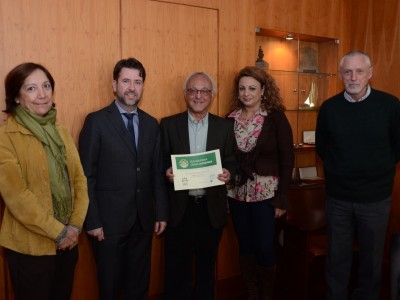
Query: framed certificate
196	171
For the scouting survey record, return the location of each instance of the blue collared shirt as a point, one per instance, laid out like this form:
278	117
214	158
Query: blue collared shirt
135	120
197	134
198	141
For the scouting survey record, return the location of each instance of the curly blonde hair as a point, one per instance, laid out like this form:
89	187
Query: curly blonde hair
271	100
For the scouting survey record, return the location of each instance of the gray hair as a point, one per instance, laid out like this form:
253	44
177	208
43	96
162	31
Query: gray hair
205	74
356	53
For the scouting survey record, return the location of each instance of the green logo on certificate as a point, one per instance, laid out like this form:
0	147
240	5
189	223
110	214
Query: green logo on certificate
194	162
183	163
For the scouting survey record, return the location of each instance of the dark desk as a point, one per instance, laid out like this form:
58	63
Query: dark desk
304	244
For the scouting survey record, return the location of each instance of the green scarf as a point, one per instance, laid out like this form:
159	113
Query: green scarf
44	129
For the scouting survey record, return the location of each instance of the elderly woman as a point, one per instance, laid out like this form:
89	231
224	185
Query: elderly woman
43	187
264	151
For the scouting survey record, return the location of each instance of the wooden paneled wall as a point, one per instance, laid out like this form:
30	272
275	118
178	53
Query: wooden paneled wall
326	18
367	25
370	26
375	29
312	17
80	41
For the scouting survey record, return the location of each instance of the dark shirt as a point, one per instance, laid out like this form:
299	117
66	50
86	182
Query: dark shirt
360	145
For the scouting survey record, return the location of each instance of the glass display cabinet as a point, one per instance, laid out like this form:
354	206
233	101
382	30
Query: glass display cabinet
305	69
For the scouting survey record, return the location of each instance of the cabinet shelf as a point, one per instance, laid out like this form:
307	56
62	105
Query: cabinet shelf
282	34
316	74
304	148
305	70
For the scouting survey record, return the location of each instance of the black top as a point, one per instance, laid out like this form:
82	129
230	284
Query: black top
360	145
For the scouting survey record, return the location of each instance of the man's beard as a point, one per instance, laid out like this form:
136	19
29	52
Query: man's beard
125	102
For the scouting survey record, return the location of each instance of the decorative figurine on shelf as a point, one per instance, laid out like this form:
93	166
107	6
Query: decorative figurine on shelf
260	63
312	97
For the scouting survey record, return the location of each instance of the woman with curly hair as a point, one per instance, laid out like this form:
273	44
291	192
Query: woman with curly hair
264	151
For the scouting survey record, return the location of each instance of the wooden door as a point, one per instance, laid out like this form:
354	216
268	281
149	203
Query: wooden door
183	39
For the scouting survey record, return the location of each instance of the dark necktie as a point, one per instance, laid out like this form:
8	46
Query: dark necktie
131	128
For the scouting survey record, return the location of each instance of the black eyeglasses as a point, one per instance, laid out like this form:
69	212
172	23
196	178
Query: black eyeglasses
193	92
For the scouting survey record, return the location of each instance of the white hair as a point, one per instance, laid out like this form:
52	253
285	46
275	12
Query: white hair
356	53
205	74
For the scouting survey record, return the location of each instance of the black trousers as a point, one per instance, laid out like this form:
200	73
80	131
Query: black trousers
123	264
190	250
255	229
45	277
367	222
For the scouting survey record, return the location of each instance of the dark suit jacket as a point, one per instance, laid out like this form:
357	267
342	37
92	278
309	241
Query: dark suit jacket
175	140
122	185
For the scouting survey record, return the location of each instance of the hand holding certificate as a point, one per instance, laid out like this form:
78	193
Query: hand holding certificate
196	171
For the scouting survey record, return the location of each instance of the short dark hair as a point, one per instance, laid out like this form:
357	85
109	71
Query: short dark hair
130	63
16	78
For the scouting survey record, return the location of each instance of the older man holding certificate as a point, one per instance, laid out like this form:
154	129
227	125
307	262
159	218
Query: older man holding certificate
198	212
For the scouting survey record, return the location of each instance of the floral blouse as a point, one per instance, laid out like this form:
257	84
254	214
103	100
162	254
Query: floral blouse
246	133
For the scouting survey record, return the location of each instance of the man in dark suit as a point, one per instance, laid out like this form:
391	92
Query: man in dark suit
121	155
197	215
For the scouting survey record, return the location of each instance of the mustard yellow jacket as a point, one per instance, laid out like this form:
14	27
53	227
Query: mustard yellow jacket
28	225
